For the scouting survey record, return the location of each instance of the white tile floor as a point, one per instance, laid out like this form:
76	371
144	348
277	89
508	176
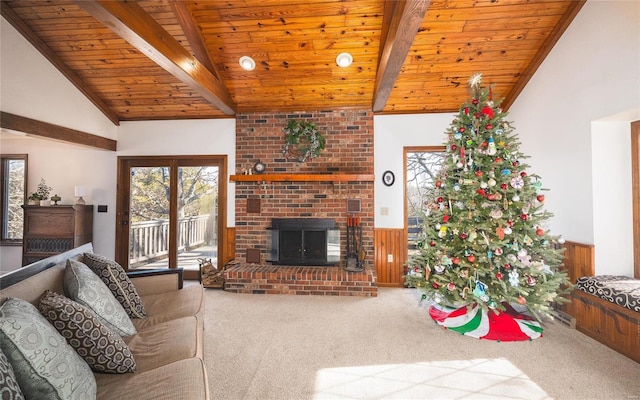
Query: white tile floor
460	379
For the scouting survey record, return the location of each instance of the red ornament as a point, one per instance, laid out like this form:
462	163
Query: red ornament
440	199
438	184
539	232
510	223
454	147
432	243
471	258
484	144
503	186
491	196
481	192
461	129
435	285
523	174
507	266
451	286
515	163
489	126
474	101
522	300
524	217
456	260
499	275
488	111
540	198
445	218
463	236
498	160
479	172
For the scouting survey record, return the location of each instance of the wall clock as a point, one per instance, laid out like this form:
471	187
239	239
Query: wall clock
259	167
388	178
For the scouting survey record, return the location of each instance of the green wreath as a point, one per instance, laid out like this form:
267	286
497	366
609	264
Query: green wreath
302	140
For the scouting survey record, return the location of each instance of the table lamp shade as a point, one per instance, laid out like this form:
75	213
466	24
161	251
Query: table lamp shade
80	191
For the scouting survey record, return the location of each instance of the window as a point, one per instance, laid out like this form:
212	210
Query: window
12	196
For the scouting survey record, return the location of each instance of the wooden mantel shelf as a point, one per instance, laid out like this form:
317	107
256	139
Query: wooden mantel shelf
303	178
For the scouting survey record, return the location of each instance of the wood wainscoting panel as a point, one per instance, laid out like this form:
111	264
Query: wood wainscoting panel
229	244
388	242
579	260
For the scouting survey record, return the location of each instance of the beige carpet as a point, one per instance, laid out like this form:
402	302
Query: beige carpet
315	347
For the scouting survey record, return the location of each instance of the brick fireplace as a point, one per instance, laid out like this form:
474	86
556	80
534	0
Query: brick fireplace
349	150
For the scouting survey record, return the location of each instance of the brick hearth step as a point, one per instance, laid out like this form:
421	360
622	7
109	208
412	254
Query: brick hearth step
303	280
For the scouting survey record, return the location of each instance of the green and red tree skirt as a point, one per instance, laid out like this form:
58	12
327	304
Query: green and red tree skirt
506	326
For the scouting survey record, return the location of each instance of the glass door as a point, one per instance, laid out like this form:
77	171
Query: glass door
168	212
422	165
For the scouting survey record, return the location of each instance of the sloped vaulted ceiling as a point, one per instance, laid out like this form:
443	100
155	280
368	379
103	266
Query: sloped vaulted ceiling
161	59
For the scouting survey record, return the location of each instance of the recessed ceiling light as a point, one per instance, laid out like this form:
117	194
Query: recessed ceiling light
247	63
344	60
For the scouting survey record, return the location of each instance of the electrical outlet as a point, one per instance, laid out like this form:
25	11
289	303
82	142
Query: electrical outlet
384	210
389	257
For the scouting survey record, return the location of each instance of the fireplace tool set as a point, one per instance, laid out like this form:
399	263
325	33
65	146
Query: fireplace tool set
355	250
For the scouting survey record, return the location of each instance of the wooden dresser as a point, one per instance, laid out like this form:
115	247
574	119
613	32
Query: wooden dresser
49	230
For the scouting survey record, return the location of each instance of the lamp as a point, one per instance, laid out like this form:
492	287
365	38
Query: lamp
247	63
344	60
79	192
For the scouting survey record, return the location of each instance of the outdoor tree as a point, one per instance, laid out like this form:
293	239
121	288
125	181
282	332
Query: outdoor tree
197	186
486	244
422	170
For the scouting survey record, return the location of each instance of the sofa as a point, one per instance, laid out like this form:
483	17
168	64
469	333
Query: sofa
161	359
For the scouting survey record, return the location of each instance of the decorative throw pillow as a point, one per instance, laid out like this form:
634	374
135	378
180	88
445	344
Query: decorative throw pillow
9	388
116	279
45	366
85	287
103	349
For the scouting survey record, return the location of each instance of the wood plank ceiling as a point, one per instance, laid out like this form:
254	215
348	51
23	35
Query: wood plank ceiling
162	59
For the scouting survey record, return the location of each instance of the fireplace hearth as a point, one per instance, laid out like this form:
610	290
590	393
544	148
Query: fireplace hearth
304	241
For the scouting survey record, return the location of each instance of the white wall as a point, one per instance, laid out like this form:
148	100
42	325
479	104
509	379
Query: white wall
31	87
612	196
63	166
391	134
593	72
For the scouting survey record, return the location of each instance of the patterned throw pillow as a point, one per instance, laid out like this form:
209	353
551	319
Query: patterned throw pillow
46	367
9	388
116	279
103	349
85	287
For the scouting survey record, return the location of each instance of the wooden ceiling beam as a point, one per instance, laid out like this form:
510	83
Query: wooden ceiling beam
51	56
128	20
55	132
403	26
194	35
558	30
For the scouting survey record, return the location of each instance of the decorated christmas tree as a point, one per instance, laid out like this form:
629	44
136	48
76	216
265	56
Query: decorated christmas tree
487	260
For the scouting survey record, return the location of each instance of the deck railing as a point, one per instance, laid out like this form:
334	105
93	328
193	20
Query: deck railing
149	240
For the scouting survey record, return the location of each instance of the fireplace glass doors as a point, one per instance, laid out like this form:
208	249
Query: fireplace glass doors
304	241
